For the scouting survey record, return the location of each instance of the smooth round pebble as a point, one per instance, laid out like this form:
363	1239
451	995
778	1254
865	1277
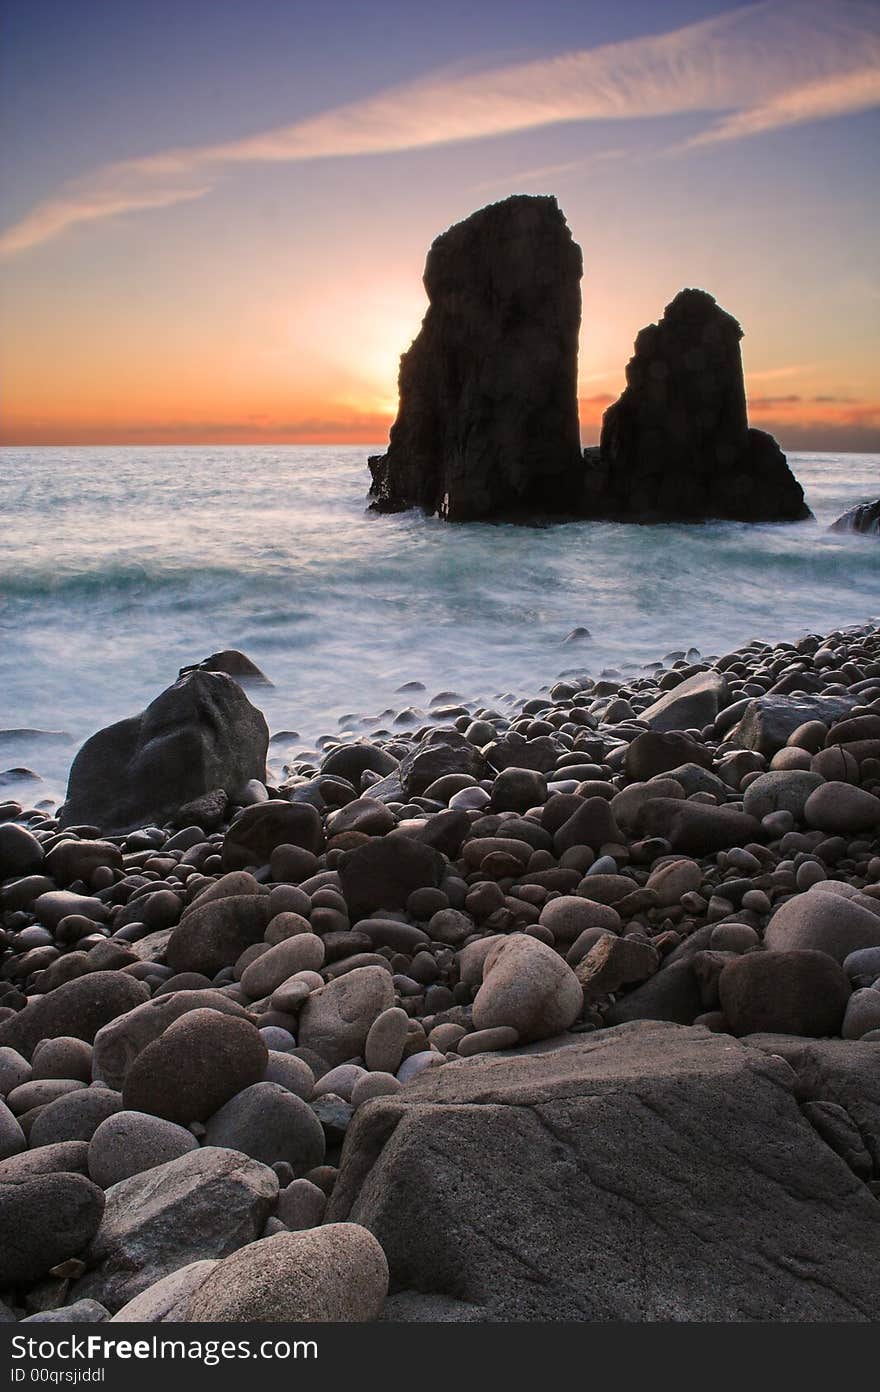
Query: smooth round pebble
64	1057
301	1205
485	1041
374	1085
290	1072
340	1080
201	1060
862	1013
414	1064
302	952
383	1049
130	1142
269	1123
278	1040
74	1117
733	937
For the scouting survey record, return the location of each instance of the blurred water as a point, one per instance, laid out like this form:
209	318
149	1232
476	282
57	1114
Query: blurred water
119	566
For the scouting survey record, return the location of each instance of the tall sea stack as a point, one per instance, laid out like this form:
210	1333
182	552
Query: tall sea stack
487	424
676	446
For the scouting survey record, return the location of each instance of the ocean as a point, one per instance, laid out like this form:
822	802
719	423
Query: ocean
119	566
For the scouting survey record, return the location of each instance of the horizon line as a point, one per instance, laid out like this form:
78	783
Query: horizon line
343	444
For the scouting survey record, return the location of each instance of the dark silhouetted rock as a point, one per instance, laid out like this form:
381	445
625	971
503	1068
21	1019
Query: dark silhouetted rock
697	828
352	760
207	812
672	993
20	851
653	753
539	754
864	518
676	446
487	425
199	735
592	824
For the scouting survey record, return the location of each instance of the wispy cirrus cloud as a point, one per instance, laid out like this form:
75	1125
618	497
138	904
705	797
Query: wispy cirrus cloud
816	101
820	60
92	200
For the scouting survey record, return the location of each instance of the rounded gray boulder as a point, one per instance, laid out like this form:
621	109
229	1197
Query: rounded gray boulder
331	1274
825	921
269	1123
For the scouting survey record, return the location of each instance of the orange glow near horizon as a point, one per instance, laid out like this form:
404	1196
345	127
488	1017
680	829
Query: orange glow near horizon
195	341
328	422
182	351
213	364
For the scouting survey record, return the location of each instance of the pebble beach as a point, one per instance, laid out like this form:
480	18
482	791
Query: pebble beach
258	1037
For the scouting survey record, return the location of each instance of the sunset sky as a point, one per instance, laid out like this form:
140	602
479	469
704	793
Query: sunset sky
215	214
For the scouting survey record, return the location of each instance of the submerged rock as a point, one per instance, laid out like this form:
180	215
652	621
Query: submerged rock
200	734
234	663
677	446
864	518
488	421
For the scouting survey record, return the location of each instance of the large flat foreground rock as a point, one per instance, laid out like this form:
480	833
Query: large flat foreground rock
653	1172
